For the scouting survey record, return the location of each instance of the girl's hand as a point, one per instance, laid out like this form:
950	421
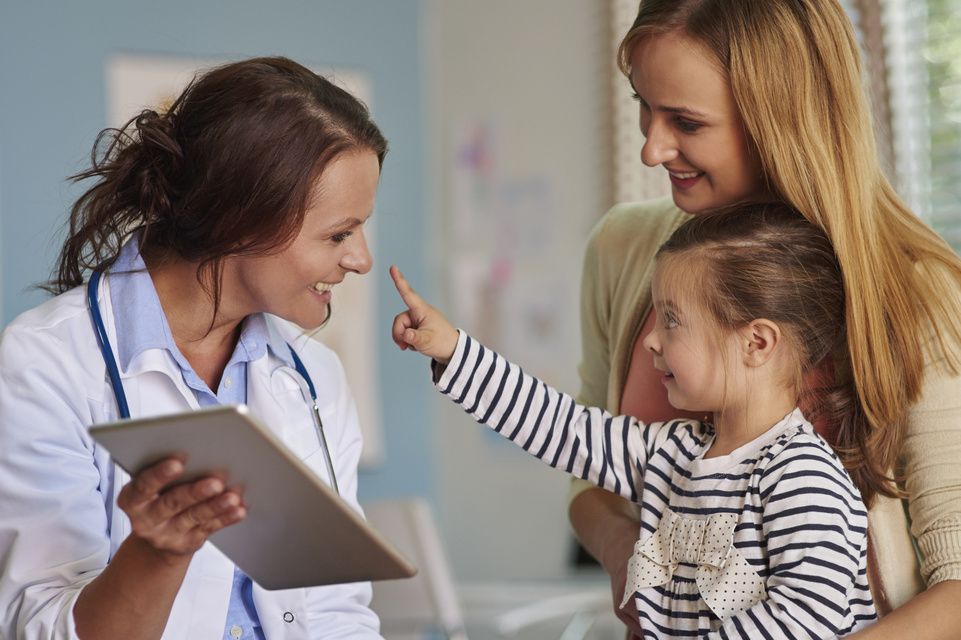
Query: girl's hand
422	327
178	520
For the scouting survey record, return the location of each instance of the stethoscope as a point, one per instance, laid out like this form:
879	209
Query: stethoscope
113	371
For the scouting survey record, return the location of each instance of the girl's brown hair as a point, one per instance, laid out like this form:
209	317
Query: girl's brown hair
814	135
228	169
755	261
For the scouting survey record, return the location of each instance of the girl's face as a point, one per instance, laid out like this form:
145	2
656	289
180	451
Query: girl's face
692	125
297	283
699	368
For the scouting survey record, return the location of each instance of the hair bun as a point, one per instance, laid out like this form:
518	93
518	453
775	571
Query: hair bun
159	162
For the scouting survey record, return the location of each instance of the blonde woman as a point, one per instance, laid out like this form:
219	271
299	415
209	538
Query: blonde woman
754	100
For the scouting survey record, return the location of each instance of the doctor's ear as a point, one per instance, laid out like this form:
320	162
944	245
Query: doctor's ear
759	340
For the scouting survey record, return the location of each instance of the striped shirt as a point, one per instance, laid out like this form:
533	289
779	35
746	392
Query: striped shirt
769	541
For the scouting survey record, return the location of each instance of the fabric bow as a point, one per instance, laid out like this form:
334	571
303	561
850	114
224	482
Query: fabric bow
726	581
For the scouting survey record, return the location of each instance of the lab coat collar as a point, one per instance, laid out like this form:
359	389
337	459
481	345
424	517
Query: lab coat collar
158	358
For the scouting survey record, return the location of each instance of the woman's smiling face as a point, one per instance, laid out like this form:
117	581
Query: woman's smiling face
692	126
296	282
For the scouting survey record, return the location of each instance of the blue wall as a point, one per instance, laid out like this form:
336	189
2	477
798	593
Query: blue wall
53	103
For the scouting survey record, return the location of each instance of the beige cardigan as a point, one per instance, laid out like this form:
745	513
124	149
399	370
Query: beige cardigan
615	300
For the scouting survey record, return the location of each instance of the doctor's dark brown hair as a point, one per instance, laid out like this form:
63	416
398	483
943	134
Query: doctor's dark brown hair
227	170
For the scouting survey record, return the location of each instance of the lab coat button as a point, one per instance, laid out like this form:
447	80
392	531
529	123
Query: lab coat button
288	617
236	632
228	382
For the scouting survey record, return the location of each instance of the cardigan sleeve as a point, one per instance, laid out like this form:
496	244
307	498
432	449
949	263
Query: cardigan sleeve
931	459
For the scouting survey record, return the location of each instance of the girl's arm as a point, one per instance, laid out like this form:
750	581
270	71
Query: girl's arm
814	527
586	442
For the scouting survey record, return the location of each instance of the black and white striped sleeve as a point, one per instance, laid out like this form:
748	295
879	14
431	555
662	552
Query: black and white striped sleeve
587	442
814	525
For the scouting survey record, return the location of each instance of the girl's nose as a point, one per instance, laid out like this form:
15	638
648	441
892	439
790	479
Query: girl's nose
651	343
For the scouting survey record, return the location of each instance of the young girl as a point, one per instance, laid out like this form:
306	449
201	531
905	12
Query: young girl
750	526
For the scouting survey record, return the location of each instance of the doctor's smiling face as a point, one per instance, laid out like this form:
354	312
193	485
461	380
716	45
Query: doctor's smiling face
298	281
691	124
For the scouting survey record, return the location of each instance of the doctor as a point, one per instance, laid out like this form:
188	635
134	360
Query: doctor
213	232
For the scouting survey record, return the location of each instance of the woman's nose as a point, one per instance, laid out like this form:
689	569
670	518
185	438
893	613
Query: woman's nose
659	145
358	259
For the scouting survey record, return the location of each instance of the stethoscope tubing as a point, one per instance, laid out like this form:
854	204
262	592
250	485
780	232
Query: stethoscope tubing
113	372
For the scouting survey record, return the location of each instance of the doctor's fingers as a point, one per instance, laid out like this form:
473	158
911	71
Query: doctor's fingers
212	515
147	484
146	514
188	530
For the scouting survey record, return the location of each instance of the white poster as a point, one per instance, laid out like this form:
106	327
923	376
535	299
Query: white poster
137	82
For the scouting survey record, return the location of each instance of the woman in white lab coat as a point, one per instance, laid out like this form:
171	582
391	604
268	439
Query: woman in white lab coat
212	234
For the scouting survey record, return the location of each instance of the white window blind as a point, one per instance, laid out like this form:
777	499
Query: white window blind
940	31
922	55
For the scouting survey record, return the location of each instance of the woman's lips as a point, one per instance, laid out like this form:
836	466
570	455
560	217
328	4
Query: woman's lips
686	182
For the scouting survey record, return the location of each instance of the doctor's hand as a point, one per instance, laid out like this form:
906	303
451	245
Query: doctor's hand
422	327
177	520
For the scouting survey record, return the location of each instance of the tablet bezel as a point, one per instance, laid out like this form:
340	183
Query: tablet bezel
297	532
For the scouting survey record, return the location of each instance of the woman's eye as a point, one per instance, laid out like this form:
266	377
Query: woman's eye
340	237
688	126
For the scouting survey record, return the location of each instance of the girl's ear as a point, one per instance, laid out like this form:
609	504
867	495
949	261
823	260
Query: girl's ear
758	341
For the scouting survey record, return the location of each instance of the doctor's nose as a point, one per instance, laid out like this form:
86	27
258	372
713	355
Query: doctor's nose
358	259
659	144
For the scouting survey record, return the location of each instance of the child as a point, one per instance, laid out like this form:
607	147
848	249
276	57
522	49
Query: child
750	526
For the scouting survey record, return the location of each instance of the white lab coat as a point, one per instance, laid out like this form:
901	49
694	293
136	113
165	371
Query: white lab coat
59	523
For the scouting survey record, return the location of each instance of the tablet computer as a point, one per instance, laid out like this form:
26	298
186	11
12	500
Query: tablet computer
297	532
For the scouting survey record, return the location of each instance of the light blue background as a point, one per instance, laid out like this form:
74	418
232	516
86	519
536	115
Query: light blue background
53	103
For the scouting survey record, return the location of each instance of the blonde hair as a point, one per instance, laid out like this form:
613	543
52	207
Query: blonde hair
813	133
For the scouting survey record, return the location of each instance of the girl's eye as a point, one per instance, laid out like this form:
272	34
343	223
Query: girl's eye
688	126
340	237
670	321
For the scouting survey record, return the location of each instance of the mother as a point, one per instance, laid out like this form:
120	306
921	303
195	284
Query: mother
763	99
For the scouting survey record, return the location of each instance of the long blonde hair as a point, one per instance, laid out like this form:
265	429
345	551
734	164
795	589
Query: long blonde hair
795	71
